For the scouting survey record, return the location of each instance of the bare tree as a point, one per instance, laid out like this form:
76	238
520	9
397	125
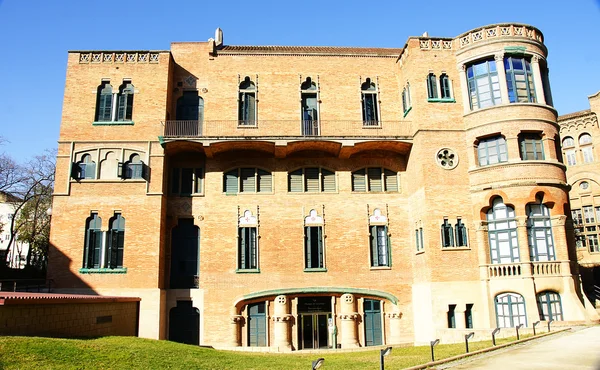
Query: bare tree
10	171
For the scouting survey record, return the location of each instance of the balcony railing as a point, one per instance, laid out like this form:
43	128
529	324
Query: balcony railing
522	269
286	128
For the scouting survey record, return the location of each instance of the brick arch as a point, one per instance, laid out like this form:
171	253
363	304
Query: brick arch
490	200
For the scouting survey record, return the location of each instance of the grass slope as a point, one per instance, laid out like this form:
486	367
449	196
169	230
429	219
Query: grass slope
137	353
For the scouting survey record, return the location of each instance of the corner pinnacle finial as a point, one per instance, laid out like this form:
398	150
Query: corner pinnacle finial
218	37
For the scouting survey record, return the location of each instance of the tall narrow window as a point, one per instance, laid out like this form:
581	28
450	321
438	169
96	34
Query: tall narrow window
310	108
104	102
125	102
370	104
569	144
185	255
502	233
484	86
492	150
134	168
447	234
379	246
585	143
519	80
510	310
549	306
432	86
445	87
247	242
247	103
419	239
187	181
93	242
539	233
313	239
116	242
461	234
451	316
311	180
531	147
469	316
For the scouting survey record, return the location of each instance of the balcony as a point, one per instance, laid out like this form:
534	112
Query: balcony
526	269
286	129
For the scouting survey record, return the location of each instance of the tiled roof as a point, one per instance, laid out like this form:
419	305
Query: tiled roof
574	115
16	298
314	50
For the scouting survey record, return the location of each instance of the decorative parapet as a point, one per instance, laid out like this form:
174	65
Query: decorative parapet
435	44
578	122
497	31
110	57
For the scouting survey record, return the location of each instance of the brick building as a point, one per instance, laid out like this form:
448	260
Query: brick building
249	194
579	137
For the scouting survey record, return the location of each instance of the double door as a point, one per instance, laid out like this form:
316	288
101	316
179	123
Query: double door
314	330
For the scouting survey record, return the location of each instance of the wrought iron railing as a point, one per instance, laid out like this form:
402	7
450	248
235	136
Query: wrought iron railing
26	285
286	128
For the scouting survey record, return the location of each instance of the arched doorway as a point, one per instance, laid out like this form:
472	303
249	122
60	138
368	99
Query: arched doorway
184	323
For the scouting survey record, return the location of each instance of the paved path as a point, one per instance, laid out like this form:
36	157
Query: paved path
578	349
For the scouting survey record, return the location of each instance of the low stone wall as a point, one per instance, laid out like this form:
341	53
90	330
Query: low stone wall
67	316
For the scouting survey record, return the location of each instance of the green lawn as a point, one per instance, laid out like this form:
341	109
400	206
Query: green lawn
137	353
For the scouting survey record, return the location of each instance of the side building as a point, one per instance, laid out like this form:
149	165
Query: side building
256	195
580	137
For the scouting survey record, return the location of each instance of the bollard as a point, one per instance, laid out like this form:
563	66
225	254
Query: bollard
534	324
494	335
517	328
549	322
467	336
432	344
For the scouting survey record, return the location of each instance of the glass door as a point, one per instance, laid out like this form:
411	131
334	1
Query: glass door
314	330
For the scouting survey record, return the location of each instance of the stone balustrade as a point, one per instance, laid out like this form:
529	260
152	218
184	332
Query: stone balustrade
524	269
499	31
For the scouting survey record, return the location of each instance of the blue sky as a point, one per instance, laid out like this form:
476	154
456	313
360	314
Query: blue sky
35	36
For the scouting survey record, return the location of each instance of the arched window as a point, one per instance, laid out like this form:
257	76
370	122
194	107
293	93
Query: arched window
585	139
133	168
380	240
432	86
569	154
109	166
585	142
93	242
311	180
247	241
445	87
314	252
370	104
510	310
125	102
539	233
185	252
247	103
309	107
502	233
549	306
568	142
115	242
84	169
104	102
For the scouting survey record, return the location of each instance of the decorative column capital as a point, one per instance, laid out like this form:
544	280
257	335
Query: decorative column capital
349	316
559	220
462	68
499	57
236	319
481	225
535	59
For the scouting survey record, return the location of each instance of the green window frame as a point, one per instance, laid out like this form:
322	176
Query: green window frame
93	242
462	239
539	233
445	87
373	324
104	102
484	85
549	306
313	247
531	147
312	180
186	181
419	239
374	179
247	103
519	80
380	246
510	310
469	316
432	86
247	180
247	248
492	150
447	234
125	102
116	242
502	233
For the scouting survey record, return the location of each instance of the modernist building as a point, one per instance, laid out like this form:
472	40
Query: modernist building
580	137
251	195
16	255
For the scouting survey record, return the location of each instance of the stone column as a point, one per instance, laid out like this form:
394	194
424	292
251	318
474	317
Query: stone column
559	236
281	324
395	325
113	113
236	321
523	246
501	77
481	227
348	316
464	83
459	316
537	80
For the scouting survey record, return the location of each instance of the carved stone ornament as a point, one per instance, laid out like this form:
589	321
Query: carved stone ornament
348	316
237	319
282	318
447	158
394	315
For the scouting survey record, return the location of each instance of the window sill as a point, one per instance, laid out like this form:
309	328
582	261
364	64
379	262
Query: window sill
315	270
441	101
247	126
186	195
248	193
112	123
374	126
311	192
376	192
121	181
247	271
120	270
376	268
420	252
407	111
461	248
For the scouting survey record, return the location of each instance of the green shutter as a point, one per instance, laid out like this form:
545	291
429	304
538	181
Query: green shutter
122	104
374	175
248	180
90	170
311	178
391	180
252	248
295	181
199	183
359	181
265	181
307	247
321	251
120	170
374	259
328	179
230	185
242	247
389	249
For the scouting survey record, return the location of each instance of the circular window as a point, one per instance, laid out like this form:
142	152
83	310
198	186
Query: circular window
447	158
584	185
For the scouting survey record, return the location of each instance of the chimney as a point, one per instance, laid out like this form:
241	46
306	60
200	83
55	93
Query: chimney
425	34
218	37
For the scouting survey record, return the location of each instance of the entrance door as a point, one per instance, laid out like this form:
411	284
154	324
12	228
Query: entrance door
372	322
184	323
314	330
257	325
